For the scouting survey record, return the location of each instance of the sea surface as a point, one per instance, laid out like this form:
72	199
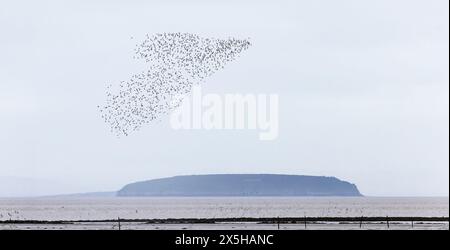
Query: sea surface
57	209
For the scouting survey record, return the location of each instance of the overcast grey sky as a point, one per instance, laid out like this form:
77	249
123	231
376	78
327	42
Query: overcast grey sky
363	88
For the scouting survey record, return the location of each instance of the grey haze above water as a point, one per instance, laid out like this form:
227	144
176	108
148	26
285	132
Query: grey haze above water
363	89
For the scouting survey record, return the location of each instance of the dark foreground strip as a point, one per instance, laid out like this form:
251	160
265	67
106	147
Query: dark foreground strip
175	239
287	220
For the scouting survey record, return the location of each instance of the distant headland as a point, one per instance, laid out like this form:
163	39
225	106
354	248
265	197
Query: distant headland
241	185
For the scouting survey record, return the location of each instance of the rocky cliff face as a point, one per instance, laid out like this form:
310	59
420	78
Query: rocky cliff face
241	185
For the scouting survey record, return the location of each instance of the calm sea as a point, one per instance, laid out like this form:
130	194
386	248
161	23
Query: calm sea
217	207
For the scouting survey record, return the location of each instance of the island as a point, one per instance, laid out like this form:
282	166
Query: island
241	185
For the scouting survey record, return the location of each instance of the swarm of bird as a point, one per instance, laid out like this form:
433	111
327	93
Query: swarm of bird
176	62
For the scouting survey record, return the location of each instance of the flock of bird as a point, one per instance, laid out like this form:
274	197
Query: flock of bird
176	62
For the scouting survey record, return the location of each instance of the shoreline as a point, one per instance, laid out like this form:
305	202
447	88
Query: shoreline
232	224
266	220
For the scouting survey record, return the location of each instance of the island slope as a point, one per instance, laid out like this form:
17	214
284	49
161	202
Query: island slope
241	185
